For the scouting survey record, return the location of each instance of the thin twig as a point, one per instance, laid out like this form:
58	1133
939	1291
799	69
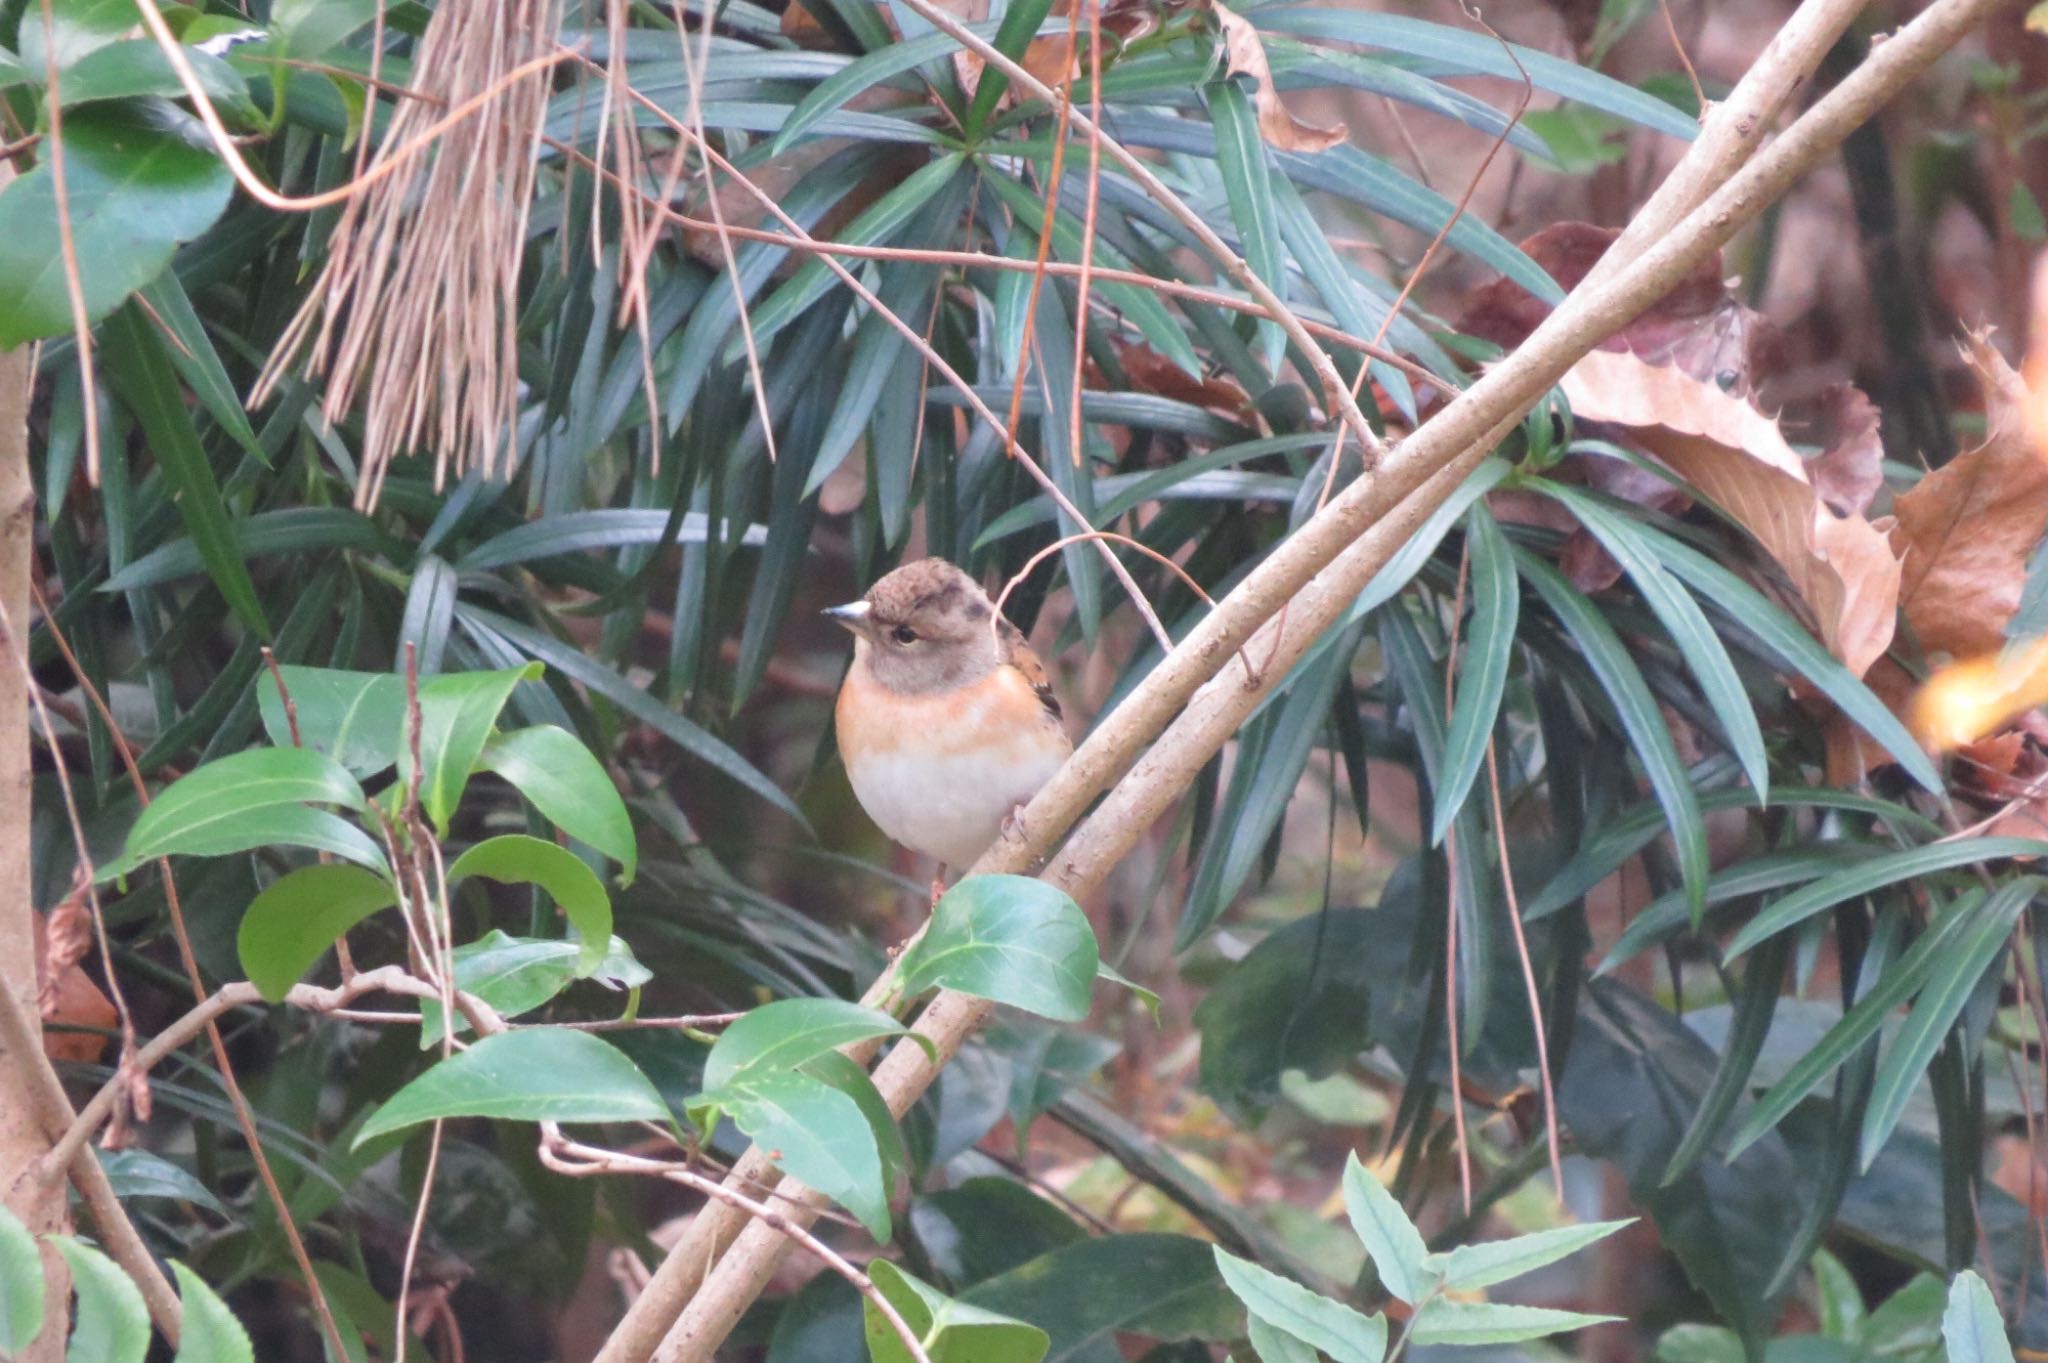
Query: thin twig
1507	880
74	286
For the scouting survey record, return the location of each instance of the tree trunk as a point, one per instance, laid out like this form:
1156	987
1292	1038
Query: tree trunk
38	1203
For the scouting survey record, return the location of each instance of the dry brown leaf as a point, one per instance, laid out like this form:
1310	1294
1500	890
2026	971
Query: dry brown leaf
65	994
1148	371
1848	475
1245	55
1842	567
1966	530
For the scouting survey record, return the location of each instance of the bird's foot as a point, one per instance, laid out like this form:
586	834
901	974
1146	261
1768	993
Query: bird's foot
1013	824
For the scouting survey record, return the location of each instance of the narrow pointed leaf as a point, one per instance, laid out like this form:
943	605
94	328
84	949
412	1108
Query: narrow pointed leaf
1344	1334
1395	1246
1496	1261
1474	1322
1482	677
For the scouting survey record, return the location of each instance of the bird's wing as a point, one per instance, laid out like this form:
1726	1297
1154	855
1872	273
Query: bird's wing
1017	653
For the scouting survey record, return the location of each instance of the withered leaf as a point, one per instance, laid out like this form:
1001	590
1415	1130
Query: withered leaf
1965	530
1842	567
1245	55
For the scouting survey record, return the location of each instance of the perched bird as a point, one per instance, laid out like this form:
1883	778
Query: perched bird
947	722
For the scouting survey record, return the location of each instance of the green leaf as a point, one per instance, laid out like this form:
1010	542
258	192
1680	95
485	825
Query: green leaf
137	67
356	718
1299	1000
299	916
1396	1247
783	1035
139	367
950	1331
21	1285
572	532
1275	1345
984	1227
530	1075
1472	1322
1021	21
1638	552
1011	939
570	788
1241	162
1765	619
1336	1329
850	1079
574	664
71	30
515	858
1086	1294
1750	1025
814	1131
1489	645
1496	1261
198	363
204	813
135	190
1971	1327
1898	983
1640	718
876	223
514	975
112	1323
864	73
297	531
311	28
209	1332
1953	978
1466	52
137	1173
1912	864
457	713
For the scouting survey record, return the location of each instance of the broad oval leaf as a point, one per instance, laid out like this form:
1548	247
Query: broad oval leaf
209	1332
1086	1294
816	1132
457	713
530	1075
1344	1334
788	1032
135	189
516	858
1011	939
950	1331
112	1323
516	975
21	1285
298	916
356	718
207	812
570	788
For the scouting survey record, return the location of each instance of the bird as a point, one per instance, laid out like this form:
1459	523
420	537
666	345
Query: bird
947	721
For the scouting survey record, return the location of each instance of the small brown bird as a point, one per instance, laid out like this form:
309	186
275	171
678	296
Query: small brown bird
947	722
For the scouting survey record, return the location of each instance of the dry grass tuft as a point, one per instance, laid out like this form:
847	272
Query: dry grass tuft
416	306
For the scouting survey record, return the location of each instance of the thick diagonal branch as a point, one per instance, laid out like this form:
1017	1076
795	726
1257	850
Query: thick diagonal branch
1316	573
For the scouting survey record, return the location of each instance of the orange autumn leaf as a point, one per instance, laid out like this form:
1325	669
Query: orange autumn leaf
1962	702
1842	567
1966	530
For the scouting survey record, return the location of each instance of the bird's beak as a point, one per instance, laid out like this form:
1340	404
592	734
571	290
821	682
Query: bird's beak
853	615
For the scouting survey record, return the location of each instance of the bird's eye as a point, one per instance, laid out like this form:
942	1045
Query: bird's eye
903	634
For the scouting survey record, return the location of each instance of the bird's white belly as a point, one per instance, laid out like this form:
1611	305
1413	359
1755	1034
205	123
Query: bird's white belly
950	807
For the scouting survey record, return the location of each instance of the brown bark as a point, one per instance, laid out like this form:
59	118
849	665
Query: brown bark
23	1140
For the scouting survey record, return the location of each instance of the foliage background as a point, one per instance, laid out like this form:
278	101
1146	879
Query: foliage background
666	571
